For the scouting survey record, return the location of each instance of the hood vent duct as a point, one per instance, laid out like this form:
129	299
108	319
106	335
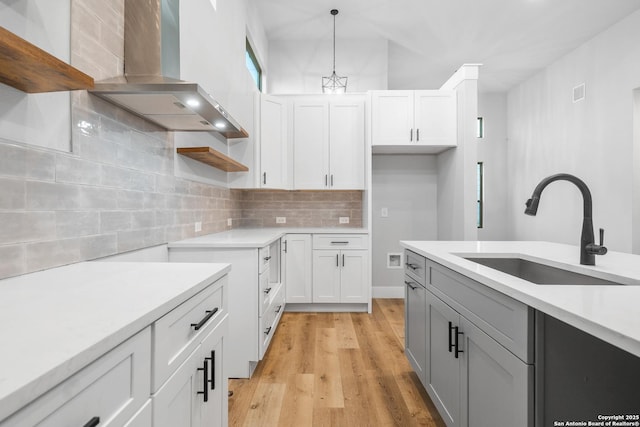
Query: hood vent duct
151	87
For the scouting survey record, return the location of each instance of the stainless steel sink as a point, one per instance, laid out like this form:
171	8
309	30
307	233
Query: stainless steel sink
537	273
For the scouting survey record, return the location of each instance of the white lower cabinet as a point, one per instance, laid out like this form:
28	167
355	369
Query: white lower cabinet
298	272
155	378
340	276
195	395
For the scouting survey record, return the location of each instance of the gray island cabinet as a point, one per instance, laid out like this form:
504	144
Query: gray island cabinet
477	361
493	349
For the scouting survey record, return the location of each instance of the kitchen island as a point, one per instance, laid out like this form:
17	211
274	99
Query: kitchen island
500	350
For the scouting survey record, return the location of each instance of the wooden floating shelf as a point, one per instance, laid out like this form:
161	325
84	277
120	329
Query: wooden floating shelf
30	69
213	158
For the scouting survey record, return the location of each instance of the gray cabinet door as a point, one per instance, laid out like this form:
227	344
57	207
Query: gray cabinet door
495	383
415	297
443	368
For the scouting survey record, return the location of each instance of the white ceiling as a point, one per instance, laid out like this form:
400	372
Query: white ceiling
430	39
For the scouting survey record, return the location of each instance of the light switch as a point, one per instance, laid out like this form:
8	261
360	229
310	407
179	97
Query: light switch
198	226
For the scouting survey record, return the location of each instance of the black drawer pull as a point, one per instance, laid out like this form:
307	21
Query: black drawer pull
93	422
339	243
414	267
267	331
451	328
212	380
266	291
278	309
205	319
457	343
410	285
267	258
205	379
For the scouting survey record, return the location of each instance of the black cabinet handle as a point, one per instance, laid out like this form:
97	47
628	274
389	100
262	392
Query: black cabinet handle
279	308
339	243
93	422
332	180
285	246
337	260
266	291
326	180
212	380
205	319
264	178
457	343
414	267
417	134
414	288
267	331
267	258
411	134
205	379
343	260
451	328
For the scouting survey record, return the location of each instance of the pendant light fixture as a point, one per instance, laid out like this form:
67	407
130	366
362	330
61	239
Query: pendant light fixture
334	83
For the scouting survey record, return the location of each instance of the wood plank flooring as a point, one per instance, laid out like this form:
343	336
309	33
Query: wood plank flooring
335	369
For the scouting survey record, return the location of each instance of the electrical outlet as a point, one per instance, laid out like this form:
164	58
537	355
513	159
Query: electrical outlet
384	212
198	226
281	220
229	222
344	220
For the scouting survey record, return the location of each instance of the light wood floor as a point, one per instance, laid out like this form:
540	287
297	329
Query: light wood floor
335	369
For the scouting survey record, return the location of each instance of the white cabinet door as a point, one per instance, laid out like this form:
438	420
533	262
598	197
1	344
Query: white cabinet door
346	151
435	117
178	403
353	276
326	276
274	156
443	369
392	117
494	382
298	270
311	145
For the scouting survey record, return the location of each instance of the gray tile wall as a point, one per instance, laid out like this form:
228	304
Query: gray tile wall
117	191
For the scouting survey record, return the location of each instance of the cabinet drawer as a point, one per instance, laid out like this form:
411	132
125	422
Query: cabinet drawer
415	266
112	388
265	292
506	320
340	241
264	256
176	335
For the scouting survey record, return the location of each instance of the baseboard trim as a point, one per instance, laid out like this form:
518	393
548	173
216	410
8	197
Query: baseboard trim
388	291
326	307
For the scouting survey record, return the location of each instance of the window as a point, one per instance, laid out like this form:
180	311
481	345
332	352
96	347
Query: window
480	129
480	193
253	66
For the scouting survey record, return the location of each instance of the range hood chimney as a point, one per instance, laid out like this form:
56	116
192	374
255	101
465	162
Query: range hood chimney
151	87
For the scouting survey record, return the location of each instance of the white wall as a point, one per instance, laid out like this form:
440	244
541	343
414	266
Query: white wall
407	186
492	151
636	173
592	139
298	66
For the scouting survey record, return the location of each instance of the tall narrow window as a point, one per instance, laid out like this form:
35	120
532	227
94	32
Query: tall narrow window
253	66
480	193
480	129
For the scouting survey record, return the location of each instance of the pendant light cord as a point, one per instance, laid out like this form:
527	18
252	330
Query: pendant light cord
334	40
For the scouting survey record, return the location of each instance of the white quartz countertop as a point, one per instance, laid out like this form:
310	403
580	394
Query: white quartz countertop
609	312
254	237
55	322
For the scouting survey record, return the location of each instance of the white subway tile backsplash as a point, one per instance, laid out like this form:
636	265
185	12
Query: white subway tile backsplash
52	196
26	162
13	260
112	221
74	170
12	194
77	223
21	227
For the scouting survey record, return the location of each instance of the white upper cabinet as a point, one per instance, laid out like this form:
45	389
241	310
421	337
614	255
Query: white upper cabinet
328	140
274	152
413	121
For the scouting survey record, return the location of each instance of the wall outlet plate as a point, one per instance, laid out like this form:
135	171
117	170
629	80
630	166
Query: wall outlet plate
229	222
384	212
198	226
281	220
344	220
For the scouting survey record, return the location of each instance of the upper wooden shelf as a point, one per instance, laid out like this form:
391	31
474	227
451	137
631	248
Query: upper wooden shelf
30	69
213	158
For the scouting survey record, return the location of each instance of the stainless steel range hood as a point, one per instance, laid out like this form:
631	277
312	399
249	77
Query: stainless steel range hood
151	87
